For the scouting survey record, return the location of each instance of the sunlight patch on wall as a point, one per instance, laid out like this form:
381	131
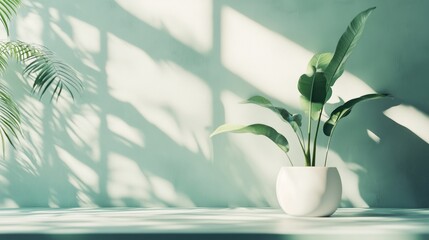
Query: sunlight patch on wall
85	35
129	185
125	133
54	14
347	87
8	203
82	176
86	38
126	181
165	191
189	21
174	100
64	36
411	118
83	130
349	178
262	57
271	62
30	28
373	136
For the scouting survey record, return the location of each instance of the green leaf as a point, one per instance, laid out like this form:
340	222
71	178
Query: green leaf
258	129
313	85
345	46
314	88
51	76
8	9
295	120
319	62
10	120
259	100
315	108
345	109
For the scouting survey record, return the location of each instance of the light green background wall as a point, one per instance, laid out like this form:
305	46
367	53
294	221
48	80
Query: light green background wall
161	75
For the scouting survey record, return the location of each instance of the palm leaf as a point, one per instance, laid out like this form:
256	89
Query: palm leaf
10	121
50	75
258	129
345	109
8	9
295	120
3	58
345	46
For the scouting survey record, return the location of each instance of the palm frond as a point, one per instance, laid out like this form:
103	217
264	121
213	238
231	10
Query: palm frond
4	56
50	75
8	9
10	120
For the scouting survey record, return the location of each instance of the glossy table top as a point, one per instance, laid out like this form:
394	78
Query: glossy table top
210	223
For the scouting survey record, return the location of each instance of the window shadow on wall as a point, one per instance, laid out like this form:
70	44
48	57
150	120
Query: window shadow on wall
160	171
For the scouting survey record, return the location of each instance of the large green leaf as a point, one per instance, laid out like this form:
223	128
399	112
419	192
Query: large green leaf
315	108
314	88
345	46
345	109
313	85
10	122
295	120
8	9
319	62
47	71
258	129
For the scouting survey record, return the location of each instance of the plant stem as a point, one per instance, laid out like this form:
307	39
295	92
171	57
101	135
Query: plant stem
302	137
301	141
315	138
290	161
329	143
307	153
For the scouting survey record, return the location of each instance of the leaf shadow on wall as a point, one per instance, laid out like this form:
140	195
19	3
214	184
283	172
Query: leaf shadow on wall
69	169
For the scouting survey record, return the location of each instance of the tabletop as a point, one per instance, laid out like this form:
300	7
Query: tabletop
210	223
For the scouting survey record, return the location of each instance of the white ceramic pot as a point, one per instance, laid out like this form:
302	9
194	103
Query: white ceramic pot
309	191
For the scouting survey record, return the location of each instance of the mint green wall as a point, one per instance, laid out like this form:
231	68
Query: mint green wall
161	75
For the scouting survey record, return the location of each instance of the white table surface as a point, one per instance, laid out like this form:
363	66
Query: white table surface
210	223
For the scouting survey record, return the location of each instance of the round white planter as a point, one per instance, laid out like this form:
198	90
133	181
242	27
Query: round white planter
309	191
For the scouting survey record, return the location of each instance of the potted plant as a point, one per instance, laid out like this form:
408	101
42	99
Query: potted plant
311	190
50	76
